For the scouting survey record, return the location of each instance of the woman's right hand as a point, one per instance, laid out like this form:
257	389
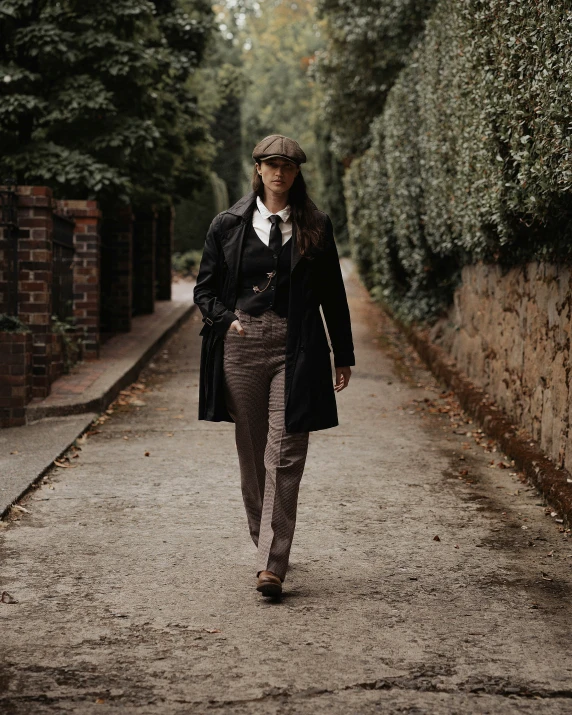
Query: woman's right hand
235	325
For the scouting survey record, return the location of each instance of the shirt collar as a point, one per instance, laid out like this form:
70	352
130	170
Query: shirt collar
265	213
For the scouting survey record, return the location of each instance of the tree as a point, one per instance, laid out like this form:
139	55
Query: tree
368	43
280	44
222	91
97	99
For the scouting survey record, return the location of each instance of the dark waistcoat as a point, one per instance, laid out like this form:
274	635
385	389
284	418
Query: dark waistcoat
257	261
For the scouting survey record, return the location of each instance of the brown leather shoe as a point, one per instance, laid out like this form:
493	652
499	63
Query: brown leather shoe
269	584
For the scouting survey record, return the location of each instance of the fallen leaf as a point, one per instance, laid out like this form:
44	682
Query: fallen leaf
17	507
7	598
212	630
15	452
456	546
62	465
436	538
546	577
138	403
147	454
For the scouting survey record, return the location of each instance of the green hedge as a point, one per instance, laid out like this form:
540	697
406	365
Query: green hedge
472	155
368	43
193	216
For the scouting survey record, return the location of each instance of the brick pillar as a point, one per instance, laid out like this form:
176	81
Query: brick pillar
35	279
86	271
144	238
7	243
163	252
117	270
15	377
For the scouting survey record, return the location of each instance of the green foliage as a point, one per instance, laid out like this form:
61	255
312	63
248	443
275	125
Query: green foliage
221	85
331	193
368	44
280	44
187	263
471	157
97	99
12	324
193	216
72	339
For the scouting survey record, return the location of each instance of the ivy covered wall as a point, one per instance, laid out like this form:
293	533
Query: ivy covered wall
471	156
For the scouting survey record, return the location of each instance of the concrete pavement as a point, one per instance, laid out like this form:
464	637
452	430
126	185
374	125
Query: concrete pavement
425	577
55	422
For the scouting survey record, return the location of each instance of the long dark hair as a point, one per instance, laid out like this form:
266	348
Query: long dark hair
309	232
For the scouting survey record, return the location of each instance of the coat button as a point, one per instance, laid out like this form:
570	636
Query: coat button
271	287
274	255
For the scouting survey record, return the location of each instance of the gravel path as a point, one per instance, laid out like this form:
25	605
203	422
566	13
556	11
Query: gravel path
134	573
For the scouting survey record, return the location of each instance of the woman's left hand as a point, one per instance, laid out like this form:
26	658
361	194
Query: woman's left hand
343	375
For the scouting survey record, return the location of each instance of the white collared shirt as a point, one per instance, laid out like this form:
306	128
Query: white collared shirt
262	223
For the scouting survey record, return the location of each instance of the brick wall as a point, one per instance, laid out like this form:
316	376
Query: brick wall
8	245
510	334
15	377
35	278
86	305
51	354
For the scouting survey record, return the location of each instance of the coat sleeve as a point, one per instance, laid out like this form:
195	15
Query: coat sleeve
209	281
333	299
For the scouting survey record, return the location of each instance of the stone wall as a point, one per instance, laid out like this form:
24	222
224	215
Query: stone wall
509	332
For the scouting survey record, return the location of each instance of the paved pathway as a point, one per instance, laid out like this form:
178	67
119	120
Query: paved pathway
92	384
133	569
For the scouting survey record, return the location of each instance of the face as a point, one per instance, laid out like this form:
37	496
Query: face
277	174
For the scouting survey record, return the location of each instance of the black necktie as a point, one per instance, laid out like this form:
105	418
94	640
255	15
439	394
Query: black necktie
275	233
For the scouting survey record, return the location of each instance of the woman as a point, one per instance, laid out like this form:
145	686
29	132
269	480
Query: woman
269	263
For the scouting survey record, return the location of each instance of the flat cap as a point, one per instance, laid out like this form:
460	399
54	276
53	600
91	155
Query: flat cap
279	145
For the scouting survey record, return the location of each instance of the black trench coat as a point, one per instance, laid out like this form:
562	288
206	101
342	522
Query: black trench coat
309	398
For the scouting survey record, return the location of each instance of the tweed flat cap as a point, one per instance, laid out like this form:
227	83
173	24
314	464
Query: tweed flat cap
279	145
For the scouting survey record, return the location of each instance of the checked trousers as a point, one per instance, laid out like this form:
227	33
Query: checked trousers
271	460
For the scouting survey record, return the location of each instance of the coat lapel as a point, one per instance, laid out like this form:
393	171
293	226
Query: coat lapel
232	249
233	239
